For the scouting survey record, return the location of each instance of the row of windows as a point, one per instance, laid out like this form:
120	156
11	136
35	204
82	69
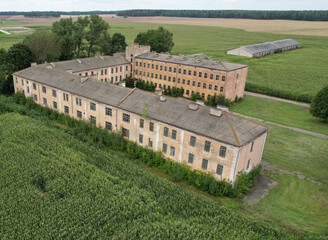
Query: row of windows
194	73
164	77
207	146
150	141
219	168
104	71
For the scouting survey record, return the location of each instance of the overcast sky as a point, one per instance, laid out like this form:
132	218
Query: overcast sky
106	5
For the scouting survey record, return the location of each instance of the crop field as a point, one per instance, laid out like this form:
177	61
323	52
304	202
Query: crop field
53	186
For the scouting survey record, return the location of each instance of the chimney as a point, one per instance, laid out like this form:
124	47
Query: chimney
222	108
78	60
33	64
69	70
193	106
198	61
162	98
158	92
215	62
215	112
200	102
195	56
156	55
169	57
53	65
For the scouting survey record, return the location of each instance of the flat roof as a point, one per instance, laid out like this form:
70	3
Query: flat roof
268	46
228	128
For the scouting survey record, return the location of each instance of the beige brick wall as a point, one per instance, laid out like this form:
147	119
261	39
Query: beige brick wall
181	144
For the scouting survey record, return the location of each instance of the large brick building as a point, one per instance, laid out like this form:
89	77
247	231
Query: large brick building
207	139
195	75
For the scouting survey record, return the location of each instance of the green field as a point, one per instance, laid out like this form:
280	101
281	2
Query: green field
297	201
280	112
53	186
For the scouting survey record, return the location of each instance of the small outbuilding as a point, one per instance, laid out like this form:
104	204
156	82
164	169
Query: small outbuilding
263	49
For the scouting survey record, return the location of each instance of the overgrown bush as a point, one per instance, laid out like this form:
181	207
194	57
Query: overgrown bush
88	132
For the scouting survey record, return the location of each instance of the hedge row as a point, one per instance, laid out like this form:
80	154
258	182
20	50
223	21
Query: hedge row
278	93
88	132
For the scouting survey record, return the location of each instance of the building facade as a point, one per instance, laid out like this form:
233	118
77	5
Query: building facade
194	75
206	139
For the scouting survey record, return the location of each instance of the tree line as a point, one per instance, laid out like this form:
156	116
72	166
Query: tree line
54	13
306	15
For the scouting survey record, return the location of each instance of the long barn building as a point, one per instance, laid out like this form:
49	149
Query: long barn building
206	139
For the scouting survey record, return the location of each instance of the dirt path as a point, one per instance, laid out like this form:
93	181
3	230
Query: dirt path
5	32
283	126
276	98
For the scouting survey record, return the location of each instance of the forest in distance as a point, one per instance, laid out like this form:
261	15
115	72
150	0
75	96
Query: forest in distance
305	15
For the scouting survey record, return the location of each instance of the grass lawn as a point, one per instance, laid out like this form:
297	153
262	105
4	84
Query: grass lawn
7	40
280	112
297	201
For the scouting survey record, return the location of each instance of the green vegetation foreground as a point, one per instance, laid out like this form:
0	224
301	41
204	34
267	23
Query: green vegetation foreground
54	186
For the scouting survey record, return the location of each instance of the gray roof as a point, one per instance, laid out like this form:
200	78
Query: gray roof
195	62
90	63
173	111
286	43
268	46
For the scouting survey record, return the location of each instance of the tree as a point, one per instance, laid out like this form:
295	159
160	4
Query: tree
19	55
64	31
43	46
98	28
160	40
3	56
80	27
114	44
319	105
6	78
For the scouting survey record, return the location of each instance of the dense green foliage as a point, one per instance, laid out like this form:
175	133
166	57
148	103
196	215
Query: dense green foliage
44	46
18	57
319	105
88	132
307	15
159	40
55	187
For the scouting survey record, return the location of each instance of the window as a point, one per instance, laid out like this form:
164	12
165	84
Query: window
150	143
28	89
35	97
221	89
188	82
44	101
219	169
223	78
54	105
102	72
79	101
193	83
207	146
252	146
79	114
217	77
66	109
108	126
204	164
93	119
65	95
203	95
54	93
184	71
215	88
210	86
223	151
141	124
198	84
108	111
126	132
44	90
193	141
211	76
204	85
195	73
151	127
187	92
191	158
140	138
205	75
179	70
183	81
170	69
152	66
174	134
34	86
92	106
189	72
200	74
126	117
166	132
156	67
248	163
22	82
172	151
164	149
